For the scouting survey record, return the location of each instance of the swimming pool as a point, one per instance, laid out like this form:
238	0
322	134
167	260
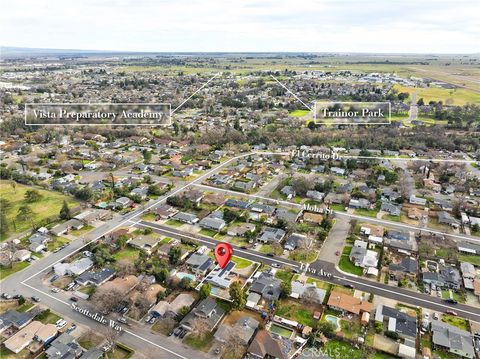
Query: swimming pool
284	332
332	319
182	275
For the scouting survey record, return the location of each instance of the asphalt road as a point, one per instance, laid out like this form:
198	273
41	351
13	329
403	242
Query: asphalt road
321	266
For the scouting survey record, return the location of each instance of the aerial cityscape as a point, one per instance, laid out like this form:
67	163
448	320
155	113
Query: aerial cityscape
182	198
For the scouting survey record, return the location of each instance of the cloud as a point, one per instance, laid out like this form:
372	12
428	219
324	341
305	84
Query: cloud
405	26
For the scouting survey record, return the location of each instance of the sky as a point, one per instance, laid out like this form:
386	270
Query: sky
382	26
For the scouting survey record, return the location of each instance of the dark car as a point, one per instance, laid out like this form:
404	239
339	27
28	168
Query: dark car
451	301
36	299
74	299
182	334
270	255
348	285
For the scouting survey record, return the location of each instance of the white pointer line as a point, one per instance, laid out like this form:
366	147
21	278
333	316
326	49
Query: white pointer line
285	87
193	94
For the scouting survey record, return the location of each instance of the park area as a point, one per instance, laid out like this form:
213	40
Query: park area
45	209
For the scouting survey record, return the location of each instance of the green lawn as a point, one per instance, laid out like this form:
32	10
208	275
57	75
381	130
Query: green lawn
207	232
47	317
241	263
82	230
174	223
320	284
149	217
456	321
6	271
470	258
25	307
284	275
90	340
366	212
202	343
389	217
48	206
338	207
295	311
346	265
337	349
267	248
128	252
299	113
304	256
57	242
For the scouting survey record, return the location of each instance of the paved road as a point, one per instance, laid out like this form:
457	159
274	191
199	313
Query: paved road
314	270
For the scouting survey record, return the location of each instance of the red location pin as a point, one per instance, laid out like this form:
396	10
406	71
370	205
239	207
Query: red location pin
223	253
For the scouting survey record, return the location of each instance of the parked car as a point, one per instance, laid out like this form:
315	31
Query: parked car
71	328
182	334
61	323
426	316
348	285
435	316
54	278
36	299
451	312
451	301
147	318
122	320
74	299
55	290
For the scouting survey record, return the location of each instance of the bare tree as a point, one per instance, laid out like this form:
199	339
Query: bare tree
8	254
106	300
199	327
125	268
304	243
234	345
310	296
111	335
405	185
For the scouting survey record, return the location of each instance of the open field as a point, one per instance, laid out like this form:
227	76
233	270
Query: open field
47	206
457	96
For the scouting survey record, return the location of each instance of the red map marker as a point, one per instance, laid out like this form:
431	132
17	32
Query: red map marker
223	253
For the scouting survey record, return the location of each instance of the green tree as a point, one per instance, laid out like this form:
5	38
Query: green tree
237	295
174	255
285	289
65	211
24	212
3	223
147	156
205	290
326	328
32	195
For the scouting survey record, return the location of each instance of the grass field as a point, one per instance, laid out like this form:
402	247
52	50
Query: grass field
337	349
299	113
48	206
127	253
448	96
6	271
470	258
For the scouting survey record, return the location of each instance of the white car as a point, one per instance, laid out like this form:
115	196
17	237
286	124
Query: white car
55	290
61	323
426	316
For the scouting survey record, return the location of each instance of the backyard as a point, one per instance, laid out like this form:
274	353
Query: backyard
295	311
